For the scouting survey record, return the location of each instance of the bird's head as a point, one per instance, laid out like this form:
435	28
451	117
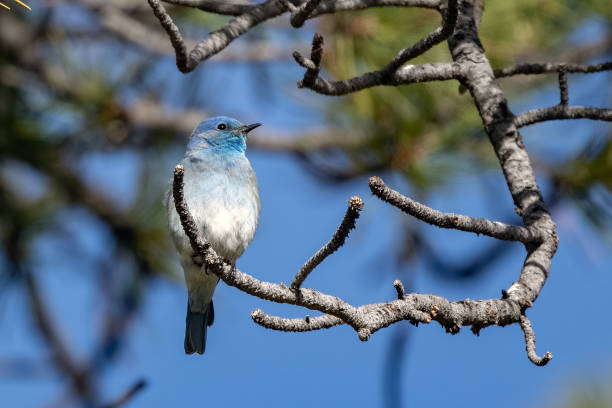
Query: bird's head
220	134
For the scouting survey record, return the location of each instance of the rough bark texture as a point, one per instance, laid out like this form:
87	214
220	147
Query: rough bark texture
472	69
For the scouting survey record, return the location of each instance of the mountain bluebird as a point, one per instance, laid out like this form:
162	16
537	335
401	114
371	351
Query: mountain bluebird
222	195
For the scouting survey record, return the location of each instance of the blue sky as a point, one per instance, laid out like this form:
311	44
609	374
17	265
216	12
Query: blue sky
246	364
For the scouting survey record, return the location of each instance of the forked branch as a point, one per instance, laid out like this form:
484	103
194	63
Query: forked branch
471	67
460	222
249	16
365	320
391	74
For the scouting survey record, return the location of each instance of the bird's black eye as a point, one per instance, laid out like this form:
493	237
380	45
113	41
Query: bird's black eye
221	126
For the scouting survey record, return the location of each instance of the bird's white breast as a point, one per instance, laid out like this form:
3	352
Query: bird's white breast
223	198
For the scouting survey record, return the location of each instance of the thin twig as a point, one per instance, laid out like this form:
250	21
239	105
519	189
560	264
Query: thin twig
220	7
390	74
561	112
127	395
530	344
365	319
424	44
336	241
536	68
407	74
483	226
176	39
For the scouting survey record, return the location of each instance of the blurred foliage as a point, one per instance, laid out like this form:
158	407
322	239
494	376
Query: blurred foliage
595	394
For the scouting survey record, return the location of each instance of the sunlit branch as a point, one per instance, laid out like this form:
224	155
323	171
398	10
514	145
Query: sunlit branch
561	112
249	16
366	319
441	219
530	344
337	240
127	395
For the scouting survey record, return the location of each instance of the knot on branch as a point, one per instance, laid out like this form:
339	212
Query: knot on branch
494	229
364	334
399	288
312	65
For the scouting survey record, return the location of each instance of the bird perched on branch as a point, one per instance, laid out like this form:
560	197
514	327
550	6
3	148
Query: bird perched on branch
221	192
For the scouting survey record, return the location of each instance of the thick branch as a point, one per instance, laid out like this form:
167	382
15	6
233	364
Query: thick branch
249	16
483	226
176	39
220	7
294	325
389	75
399	288
366	319
324	6
424	44
336	241
473	69
498	122
561	112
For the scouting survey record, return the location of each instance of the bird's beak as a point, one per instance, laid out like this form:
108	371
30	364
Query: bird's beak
247	128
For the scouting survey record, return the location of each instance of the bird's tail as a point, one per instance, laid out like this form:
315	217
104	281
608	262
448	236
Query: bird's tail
195	328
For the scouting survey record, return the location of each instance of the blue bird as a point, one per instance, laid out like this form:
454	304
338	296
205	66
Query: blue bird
221	191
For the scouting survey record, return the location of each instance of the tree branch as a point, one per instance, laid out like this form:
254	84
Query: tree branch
337	240
563	91
561	112
366	319
440	219
294	325
498	121
530	344
249	16
390	74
